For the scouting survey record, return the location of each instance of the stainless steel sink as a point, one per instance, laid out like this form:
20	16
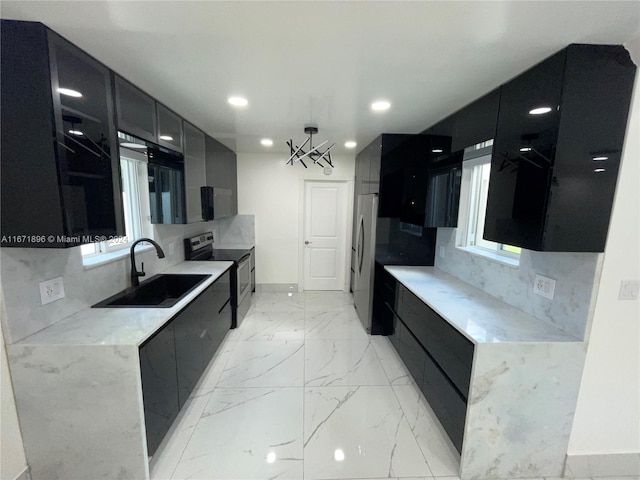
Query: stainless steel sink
160	291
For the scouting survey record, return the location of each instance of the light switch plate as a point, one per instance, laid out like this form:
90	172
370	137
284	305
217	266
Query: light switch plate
51	290
442	251
544	286
629	290
172	247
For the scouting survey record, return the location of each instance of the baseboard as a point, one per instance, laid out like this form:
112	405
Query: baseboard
24	475
603	465
277	287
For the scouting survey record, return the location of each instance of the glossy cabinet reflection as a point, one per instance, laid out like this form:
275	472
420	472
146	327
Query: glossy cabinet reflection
60	166
557	149
136	111
194	170
438	357
222	173
174	359
169	128
200	329
159	385
166	186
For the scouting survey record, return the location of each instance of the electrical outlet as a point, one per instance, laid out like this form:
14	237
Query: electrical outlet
442	251
544	286
51	290
629	290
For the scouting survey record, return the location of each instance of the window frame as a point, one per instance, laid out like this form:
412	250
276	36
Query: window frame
471	220
135	189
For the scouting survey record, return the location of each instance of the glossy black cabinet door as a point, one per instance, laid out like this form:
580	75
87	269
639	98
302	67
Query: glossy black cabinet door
60	167
409	349
222	171
553	173
444	178
159	385
88	157
194	170
596	96
136	111
169	128
523	153
476	122
445	400
200	329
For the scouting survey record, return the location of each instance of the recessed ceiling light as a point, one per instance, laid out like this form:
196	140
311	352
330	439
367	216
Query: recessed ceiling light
380	105
267	142
350	144
76	132
436	150
599	170
238	101
133	145
598	159
540	110
338	454
168	138
525	149
69	92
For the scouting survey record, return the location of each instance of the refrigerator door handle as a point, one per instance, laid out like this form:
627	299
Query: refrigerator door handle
361	244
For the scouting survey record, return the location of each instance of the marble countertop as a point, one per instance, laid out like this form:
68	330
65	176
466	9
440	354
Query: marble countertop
123	326
477	315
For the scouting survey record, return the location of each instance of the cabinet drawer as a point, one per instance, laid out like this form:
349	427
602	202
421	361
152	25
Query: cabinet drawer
445	400
221	290
448	347
409	349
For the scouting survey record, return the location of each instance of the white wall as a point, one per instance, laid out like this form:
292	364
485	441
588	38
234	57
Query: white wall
607	418
268	188
12	458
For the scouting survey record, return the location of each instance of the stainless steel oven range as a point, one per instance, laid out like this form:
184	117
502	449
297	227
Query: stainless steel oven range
200	248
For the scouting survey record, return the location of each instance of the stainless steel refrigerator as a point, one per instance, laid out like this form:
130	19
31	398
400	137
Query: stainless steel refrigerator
366	214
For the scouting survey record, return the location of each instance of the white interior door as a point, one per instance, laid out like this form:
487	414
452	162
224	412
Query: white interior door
325	226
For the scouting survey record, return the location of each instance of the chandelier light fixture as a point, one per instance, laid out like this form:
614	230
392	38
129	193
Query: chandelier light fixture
315	154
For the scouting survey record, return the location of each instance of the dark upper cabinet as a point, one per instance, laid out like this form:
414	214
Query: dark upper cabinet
167	200
553	174
60	167
476	122
136	111
169	128
194	169
222	176
443	190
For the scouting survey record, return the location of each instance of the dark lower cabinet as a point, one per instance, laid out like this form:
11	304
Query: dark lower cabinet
174	359
438	357
159	385
199	330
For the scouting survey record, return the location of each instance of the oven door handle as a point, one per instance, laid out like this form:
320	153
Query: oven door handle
244	258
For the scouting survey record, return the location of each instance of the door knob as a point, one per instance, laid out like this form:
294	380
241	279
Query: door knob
307	242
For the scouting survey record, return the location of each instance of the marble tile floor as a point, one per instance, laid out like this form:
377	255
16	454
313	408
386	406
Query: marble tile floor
300	391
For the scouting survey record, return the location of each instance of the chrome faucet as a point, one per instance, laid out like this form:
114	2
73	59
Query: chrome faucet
135	273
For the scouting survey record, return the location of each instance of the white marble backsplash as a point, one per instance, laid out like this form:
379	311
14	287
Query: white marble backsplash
22	269
577	277
236	230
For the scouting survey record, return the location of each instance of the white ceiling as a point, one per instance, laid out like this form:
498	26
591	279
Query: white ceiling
324	62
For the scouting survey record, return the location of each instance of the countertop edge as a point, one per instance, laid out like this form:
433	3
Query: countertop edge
170	312
566	337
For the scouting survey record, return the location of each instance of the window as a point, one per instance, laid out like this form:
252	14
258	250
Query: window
475	189
133	168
